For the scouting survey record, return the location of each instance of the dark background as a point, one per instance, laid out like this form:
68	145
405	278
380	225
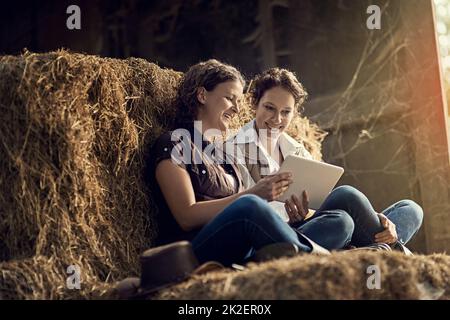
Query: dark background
305	35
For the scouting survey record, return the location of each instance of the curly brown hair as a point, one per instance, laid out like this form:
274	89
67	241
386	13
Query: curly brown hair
207	74
277	77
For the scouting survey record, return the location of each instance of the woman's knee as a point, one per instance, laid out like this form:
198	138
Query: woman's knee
250	201
344	223
348	192
251	207
338	226
415	212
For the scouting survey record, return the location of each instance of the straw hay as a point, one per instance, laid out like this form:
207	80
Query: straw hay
342	275
74	131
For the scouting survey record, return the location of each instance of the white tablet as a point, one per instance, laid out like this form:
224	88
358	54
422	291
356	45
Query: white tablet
317	178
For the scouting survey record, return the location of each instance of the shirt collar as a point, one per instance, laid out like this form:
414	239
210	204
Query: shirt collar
247	134
288	145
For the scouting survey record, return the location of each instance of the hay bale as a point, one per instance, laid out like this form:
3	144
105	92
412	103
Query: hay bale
74	134
342	275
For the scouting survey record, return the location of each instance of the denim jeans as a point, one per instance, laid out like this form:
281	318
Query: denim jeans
405	214
249	223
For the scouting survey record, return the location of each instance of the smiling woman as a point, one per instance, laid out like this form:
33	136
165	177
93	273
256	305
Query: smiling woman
218	106
204	83
275	111
276	95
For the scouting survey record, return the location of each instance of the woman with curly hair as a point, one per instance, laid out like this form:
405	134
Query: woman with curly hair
277	97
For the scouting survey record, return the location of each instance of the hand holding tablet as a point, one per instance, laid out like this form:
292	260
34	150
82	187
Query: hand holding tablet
315	177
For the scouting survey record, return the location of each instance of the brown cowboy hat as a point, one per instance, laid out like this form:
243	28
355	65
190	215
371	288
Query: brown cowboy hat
162	267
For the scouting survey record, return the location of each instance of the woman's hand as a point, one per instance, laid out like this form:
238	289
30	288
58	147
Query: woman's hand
297	209
389	235
272	187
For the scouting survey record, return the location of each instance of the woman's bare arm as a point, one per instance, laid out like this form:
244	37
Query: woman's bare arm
176	187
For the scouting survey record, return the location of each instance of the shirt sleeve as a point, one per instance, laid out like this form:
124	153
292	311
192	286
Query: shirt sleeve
247	180
167	148
280	210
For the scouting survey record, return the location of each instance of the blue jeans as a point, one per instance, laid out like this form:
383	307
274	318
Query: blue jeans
249	223
405	214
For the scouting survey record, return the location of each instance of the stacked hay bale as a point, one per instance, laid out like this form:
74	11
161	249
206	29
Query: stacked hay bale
74	134
342	275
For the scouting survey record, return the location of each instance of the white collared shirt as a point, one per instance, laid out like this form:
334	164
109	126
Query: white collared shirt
247	137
